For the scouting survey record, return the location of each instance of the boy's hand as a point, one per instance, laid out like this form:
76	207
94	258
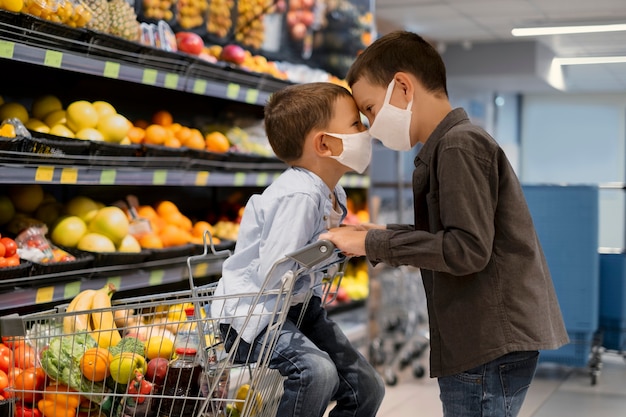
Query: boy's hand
349	240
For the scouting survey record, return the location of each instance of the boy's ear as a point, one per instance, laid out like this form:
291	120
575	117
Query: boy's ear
321	144
404	82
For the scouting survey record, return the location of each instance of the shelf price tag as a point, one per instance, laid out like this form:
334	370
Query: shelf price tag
156	277
44	174
240	179
111	69
44	295
53	59
199	86
71	289
202	178
6	49
261	179
159	177
116	281
107	177
171	80
69	176
252	96
232	90
149	76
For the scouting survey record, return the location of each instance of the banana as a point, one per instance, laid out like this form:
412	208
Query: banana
73	323
105	331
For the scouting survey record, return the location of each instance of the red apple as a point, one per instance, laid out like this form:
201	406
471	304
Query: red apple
189	42
157	370
233	53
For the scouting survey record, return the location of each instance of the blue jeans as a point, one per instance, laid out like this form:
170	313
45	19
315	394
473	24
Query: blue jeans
495	389
321	365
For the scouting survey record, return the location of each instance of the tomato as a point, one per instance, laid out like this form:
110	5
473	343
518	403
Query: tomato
4	381
9	245
22	411
5	358
3	249
13	260
24	356
28	385
13	341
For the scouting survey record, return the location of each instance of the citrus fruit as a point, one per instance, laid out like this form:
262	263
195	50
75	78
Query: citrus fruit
113	127
123	366
61	130
26	198
217	142
8	130
95	242
83	207
172	143
163	118
155	134
200	227
103	108
37	125
13	5
7	211
141	123
95	362
69	231
112	222
12	109
89	133
44	105
150	241
159	347
166	207
136	134
80	115
129	244
55	117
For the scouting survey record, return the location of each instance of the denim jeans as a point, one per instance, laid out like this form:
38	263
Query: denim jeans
320	365
495	389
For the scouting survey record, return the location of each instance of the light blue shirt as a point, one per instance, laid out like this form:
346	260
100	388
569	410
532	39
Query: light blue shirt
291	213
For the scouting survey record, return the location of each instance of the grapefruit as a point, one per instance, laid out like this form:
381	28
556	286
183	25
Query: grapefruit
80	115
61	130
26	198
12	109
89	133
57	117
95	242
129	244
83	207
104	108
44	105
37	125
111	222
69	231
113	127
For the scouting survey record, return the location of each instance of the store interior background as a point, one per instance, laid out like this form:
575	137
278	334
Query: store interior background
557	124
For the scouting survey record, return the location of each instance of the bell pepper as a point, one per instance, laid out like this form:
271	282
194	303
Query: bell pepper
139	388
59	401
50	408
22	411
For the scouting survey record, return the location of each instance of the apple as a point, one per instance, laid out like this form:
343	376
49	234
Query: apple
189	42
233	53
157	370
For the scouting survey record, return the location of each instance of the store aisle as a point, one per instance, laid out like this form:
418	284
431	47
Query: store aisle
557	391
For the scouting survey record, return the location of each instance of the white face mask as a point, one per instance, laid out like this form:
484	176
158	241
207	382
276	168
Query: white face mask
392	125
357	150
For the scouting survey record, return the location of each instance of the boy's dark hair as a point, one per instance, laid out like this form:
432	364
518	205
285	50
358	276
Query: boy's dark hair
400	51
292	112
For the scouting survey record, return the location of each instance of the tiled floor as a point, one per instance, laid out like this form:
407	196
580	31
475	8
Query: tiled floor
557	391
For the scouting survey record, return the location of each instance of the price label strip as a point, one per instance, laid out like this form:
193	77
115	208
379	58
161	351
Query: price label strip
149	76
7	49
53	59
171	81
44	174
111	69
232	91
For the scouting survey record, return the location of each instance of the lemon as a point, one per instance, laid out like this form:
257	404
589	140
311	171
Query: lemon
69	231
37	126
81	115
103	108
44	105
95	242
245	394
113	127
61	130
13	109
129	244
89	133
13	5
123	366
56	117
159	347
83	207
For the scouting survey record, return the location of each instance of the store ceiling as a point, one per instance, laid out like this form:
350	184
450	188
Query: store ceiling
475	39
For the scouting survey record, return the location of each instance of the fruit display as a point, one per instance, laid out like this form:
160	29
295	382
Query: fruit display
191	13
219	21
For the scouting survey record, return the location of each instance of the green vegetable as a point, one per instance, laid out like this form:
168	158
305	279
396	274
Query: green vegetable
129	344
61	361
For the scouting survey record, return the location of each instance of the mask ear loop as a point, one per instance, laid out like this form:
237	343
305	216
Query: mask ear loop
390	90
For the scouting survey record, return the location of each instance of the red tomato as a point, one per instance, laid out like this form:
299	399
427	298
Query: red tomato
5	358
13	260
22	411
28	386
3	262
4	381
3	250
24	356
10	246
13	341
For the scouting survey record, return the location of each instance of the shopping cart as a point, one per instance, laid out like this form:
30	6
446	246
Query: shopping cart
399	314
218	384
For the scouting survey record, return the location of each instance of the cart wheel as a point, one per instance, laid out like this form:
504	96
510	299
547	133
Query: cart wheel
594	379
377	355
404	362
418	371
390	377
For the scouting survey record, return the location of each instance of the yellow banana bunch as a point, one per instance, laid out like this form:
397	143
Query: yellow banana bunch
105	331
80	305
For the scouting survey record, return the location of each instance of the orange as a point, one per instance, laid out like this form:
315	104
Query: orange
155	134
141	123
183	134
200	227
172	143
165	207
147	212
150	241
178	219
174	127
172	235
94	364
136	134
217	142
196	140
163	118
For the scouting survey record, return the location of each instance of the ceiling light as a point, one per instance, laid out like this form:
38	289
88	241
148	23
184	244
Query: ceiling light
585	60
561	30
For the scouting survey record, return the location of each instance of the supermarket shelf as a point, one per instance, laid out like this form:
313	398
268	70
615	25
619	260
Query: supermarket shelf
124	277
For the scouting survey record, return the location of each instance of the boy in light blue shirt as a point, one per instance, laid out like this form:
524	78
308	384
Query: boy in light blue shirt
316	129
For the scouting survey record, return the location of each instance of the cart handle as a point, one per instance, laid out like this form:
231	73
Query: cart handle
313	253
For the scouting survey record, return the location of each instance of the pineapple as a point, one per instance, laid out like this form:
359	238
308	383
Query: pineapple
100	15
123	20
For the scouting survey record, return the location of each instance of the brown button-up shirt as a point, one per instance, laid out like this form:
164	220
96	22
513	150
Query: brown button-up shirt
488	287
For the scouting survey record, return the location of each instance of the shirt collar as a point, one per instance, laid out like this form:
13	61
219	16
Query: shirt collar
453	118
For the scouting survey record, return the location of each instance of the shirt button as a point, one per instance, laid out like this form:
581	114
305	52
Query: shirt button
325	217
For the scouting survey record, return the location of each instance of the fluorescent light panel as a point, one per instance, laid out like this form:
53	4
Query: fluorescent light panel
562	30
586	60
